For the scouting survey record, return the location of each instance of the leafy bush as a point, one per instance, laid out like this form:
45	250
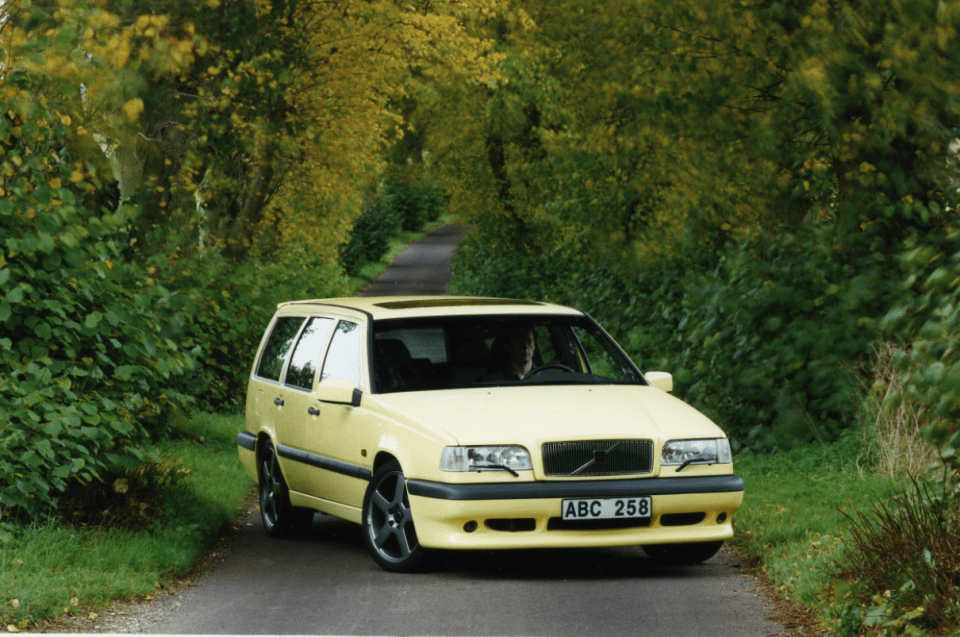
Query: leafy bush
370	236
405	204
415	202
222	308
89	366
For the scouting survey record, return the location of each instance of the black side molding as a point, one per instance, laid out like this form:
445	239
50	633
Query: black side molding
247	440
314	460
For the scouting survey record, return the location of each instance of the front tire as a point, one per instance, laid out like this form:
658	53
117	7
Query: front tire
388	529
679	554
280	518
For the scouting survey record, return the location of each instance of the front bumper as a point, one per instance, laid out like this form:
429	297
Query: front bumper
527	514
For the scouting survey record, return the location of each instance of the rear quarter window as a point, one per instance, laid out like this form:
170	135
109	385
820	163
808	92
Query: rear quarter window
278	345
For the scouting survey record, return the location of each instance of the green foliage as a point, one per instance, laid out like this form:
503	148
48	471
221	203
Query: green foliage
415	202
87	366
370	236
405	204
99	339
764	335
929	320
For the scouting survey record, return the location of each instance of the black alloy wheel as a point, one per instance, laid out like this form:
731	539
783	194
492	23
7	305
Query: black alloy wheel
280	518
388	529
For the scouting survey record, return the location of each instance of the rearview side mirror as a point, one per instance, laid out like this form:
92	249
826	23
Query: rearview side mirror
660	380
339	391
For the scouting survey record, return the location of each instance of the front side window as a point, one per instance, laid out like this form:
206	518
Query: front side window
343	356
306	355
278	346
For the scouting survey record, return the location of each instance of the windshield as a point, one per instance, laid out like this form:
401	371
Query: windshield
484	351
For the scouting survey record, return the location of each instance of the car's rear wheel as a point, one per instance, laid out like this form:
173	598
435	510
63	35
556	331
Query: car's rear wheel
280	518
388	529
676	554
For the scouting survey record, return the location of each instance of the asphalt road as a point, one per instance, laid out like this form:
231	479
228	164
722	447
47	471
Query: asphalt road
326	584
423	268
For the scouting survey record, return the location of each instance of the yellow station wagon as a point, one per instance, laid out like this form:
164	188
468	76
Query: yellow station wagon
477	423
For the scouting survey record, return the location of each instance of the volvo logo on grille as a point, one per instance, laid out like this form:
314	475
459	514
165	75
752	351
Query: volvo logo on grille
599	456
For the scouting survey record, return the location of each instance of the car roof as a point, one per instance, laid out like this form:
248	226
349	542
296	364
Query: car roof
394	307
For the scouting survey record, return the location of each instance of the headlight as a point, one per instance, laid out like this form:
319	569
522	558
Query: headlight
686	452
511	458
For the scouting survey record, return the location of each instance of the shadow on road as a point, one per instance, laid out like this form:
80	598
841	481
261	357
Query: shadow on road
339	537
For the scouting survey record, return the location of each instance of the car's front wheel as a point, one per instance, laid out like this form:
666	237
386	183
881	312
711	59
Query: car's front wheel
677	554
280	518
388	529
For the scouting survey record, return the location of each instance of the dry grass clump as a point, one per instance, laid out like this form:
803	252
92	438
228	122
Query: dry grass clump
891	422
906	559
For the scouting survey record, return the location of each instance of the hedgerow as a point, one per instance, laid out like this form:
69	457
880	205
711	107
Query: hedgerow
764	335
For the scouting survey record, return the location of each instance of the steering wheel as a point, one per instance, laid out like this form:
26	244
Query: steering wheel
549	366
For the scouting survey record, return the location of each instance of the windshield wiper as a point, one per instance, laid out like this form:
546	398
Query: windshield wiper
503	467
697	460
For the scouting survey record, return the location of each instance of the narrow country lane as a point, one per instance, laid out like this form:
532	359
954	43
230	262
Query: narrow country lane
326	583
423	268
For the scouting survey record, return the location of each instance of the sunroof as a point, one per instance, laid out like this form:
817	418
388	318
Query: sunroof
447	302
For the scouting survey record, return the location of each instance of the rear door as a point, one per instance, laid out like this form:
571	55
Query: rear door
264	394
299	429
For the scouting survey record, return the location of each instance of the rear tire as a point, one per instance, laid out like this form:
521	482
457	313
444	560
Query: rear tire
679	554
280	518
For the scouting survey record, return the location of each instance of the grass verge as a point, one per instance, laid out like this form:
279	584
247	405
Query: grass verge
794	517
54	570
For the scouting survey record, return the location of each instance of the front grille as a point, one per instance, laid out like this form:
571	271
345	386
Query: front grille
598	458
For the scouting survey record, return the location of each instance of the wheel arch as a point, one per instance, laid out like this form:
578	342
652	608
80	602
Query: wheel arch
382	458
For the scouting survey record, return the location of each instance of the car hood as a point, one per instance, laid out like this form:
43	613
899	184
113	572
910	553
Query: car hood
537	414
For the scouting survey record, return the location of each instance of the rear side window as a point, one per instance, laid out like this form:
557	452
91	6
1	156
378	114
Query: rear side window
278	346
306	356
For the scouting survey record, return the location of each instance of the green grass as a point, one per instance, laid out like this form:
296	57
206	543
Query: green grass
793	516
51	570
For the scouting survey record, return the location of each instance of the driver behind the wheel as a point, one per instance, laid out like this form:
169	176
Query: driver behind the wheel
511	356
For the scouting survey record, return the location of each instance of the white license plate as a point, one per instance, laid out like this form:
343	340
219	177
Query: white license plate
606	508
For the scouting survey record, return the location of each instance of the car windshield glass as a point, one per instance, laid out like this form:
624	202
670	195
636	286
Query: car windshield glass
484	351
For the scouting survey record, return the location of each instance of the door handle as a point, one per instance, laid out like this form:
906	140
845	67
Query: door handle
278	402
313	411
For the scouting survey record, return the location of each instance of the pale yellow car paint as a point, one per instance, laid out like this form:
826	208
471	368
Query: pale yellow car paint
533	415
440	523
413	428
